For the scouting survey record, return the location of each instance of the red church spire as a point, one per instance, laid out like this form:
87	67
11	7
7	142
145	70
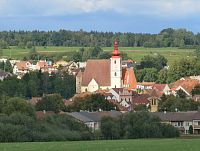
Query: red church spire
115	53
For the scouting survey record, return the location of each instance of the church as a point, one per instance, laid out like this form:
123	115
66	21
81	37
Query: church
104	74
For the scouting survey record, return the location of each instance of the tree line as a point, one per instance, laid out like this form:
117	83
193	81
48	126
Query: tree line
166	38
136	125
37	84
153	68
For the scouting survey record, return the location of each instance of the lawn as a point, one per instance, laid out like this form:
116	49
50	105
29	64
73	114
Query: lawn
117	145
136	53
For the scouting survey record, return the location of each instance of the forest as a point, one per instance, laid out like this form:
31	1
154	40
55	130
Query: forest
166	38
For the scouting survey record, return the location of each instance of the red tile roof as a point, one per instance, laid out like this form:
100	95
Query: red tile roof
42	64
187	84
129	78
159	87
140	99
99	70
22	65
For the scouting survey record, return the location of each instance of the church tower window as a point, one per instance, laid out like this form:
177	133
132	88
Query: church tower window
115	73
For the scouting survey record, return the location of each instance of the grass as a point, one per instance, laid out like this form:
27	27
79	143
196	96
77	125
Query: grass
136	53
117	145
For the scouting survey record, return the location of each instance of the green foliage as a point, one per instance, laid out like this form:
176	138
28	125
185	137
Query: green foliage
172	103
183	68
37	84
18	105
29	44
141	107
104	55
6	66
22	128
3	44
109	128
92	102
150	61
146	74
166	38
162	76
52	102
136	125
21	45
191	129
196	90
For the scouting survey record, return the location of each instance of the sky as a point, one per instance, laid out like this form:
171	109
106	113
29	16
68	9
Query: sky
139	16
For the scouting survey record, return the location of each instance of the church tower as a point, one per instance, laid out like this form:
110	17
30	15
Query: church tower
116	68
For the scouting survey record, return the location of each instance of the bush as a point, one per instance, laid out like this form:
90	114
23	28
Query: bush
22	128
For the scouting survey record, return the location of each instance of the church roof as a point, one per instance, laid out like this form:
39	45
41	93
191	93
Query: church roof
99	70
129	78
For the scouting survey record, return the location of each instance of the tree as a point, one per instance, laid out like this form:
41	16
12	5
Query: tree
109	128
52	102
162	76
18	105
146	74
29	44
141	107
3	44
21	45
104	55
183	68
94	102
172	104
190	129
196	90
8	67
158	61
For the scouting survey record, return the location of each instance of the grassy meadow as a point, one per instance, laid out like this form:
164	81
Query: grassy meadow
116	145
136	53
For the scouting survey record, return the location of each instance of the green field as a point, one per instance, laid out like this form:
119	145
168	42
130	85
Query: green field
136	53
117	145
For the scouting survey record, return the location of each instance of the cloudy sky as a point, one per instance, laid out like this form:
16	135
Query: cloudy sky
147	16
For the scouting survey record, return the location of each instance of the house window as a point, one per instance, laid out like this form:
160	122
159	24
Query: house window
86	90
115	61
115	73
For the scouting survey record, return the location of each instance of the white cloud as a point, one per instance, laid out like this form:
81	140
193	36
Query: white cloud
167	8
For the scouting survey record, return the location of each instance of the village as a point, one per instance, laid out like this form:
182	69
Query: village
115	79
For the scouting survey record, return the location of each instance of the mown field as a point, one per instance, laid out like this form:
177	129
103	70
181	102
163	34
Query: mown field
136	53
117	145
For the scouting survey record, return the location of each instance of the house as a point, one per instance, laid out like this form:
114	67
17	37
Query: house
128	63
121	94
4	75
61	63
93	119
71	68
181	120
162	88
184	84
149	99
3	60
145	85
106	74
45	66
21	68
